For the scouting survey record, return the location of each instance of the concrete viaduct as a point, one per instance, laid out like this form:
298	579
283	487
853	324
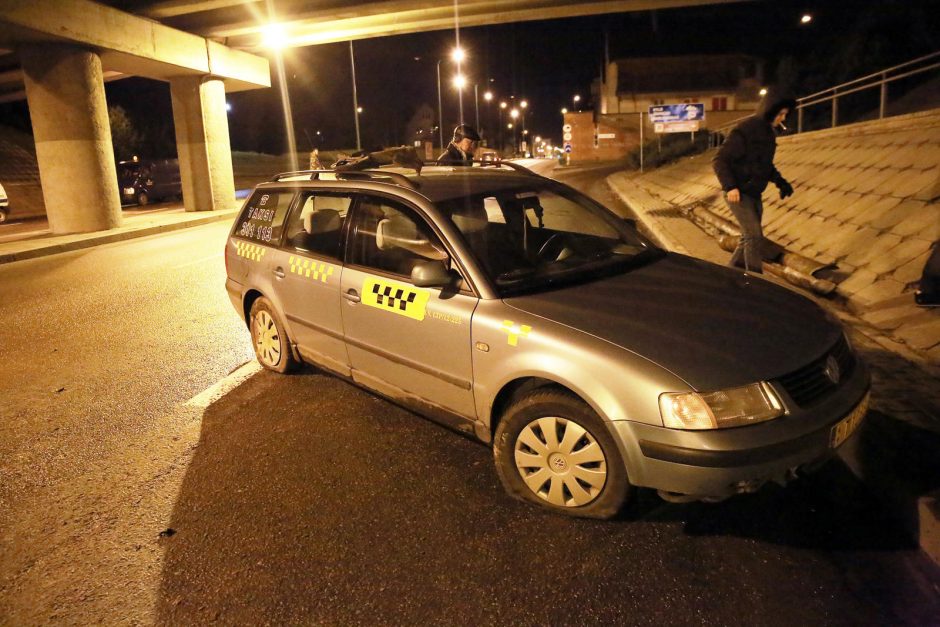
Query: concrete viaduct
67	48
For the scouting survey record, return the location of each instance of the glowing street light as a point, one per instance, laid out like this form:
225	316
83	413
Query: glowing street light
460	81
806	19
763	91
564	110
576	99
358	109
524	104
488	96
458	55
514	114
273	36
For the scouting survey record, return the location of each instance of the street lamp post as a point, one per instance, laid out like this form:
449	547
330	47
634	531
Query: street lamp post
514	114
502	107
356	108
488	97
458	56
576	99
524	105
440	108
476	105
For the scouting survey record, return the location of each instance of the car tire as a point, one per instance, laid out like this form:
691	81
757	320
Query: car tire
269	337
3	216
143	198
580	475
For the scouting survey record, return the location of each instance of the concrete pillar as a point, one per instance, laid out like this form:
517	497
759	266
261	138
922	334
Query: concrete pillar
65	93
202	142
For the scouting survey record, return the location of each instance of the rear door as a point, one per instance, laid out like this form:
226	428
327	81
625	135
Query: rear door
400	337
307	272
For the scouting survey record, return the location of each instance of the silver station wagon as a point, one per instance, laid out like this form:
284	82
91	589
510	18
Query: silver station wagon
515	309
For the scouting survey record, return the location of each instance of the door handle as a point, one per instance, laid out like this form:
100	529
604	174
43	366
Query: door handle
352	296
279	272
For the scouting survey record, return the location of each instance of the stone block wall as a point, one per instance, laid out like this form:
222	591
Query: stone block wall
866	199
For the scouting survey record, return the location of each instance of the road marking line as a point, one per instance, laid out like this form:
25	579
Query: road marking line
223	387
189	263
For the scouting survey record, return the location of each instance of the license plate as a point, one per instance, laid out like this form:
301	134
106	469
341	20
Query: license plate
845	427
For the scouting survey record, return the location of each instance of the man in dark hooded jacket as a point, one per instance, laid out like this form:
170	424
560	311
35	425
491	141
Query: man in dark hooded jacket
460	150
744	165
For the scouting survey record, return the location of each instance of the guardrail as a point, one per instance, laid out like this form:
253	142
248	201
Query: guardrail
879	80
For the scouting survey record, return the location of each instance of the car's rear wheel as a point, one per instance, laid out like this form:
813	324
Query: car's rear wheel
269	337
143	198
551	449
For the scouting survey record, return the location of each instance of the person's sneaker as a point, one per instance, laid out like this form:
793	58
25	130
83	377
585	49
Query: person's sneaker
923	299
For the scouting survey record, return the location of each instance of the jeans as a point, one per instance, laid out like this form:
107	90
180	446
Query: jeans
748	212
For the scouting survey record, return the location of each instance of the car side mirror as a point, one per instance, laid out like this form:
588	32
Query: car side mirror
431	274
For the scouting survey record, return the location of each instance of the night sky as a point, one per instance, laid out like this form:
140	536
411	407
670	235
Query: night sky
546	63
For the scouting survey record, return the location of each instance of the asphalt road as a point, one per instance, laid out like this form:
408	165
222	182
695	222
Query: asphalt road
127	495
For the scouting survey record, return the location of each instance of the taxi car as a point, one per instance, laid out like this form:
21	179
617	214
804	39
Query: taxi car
515	309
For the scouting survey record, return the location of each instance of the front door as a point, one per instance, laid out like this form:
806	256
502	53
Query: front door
402	339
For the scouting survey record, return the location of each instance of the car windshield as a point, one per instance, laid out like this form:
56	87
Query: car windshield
544	234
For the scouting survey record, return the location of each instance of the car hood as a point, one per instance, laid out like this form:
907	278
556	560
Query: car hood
709	325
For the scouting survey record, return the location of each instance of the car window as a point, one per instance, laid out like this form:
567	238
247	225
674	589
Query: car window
263	216
391	237
529	239
316	224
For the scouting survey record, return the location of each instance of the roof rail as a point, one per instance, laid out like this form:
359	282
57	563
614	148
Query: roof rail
314	174
396	178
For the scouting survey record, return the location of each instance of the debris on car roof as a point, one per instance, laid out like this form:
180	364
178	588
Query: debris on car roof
404	156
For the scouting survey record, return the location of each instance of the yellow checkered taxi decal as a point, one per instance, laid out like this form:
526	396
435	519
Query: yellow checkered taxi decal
249	251
310	269
515	331
398	298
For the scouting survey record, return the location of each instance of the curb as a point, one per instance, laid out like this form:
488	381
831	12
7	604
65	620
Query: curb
81	241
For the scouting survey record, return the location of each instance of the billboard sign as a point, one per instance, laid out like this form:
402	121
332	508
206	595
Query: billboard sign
685	112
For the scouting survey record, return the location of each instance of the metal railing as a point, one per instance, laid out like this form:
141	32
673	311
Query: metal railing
880	80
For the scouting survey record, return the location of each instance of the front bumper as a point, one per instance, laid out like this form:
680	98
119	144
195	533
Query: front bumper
720	463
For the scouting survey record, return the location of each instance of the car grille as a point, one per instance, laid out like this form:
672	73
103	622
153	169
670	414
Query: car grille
811	384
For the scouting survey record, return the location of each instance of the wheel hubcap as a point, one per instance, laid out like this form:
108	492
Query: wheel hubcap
267	339
561	462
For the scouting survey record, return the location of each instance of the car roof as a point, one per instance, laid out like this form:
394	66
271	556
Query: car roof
437	183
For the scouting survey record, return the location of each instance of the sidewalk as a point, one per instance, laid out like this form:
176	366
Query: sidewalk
19	244
897	453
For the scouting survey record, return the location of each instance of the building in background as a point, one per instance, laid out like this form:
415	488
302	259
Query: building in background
727	85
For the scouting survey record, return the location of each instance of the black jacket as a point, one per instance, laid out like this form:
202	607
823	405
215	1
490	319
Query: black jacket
746	160
452	156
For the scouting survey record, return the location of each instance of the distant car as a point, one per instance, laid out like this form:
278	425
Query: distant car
513	308
4	205
145	181
486	155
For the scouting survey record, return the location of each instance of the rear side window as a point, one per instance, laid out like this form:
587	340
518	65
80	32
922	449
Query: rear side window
263	216
316	225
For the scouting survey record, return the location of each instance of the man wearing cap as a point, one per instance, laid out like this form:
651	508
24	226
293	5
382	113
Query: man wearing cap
460	150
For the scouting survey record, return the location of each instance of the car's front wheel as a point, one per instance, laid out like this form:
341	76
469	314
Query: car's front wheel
269	338
553	450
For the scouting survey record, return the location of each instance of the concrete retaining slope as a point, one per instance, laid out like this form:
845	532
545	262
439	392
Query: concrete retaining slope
866	199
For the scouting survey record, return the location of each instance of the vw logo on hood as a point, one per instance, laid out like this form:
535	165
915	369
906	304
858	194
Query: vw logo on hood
832	369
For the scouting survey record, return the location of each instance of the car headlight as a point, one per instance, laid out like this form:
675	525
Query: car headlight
717	410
